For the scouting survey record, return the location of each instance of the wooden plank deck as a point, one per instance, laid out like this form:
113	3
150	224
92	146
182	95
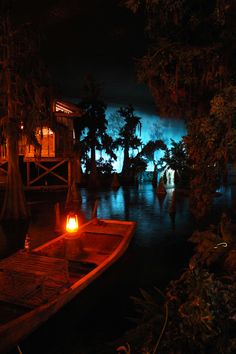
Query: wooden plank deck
30	279
27	262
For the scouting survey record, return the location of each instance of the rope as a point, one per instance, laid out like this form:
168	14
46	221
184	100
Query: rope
19	350
163	328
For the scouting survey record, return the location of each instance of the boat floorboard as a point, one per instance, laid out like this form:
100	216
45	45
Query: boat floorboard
27	290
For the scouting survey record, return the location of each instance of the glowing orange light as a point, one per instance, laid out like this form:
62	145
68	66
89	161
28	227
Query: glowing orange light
27	243
72	224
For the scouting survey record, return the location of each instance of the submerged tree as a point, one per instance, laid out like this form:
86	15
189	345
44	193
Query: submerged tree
128	138
79	149
94	126
148	151
190	62
176	157
25	103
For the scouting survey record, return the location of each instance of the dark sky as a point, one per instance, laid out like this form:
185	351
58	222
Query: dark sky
90	36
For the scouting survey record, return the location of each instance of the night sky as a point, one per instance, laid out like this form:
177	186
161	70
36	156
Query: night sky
97	37
101	38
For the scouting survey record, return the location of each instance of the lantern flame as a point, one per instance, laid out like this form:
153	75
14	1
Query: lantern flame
72	224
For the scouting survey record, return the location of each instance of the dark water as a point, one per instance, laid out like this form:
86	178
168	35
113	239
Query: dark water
158	253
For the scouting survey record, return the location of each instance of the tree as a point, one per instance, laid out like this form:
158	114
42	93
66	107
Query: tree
148	151
25	103
211	145
188	65
128	138
95	125
178	160
79	149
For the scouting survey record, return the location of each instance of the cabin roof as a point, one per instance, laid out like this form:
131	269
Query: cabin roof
66	109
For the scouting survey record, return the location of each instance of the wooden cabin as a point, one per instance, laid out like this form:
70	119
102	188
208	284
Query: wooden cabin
52	166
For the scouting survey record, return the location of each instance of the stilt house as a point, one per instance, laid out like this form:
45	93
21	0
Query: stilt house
50	168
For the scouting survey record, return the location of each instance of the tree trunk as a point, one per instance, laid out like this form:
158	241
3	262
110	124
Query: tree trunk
126	164
73	199
154	177
115	184
79	172
14	206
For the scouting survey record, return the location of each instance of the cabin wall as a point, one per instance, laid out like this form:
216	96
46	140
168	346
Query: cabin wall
46	138
63	142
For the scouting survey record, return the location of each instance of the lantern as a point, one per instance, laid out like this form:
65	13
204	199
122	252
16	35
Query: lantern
72	224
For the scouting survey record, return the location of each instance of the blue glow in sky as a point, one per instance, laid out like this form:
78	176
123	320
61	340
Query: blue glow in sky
153	128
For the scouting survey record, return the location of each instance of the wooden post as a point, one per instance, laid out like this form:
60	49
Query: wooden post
69	172
57	227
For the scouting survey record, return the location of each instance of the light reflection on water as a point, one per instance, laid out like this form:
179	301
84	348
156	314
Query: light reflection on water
142	205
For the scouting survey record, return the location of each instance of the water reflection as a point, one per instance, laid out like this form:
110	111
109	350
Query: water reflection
158	253
156	217
141	204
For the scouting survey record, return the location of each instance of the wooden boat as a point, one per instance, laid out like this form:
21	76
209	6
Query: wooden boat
34	285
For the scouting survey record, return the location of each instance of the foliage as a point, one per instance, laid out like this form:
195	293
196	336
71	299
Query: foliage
211	143
93	125
191	73
115	123
128	138
149	149
25	102
147	154
93	117
197	312
25	76
137	165
128	132
190	51
195	315
214	244
105	167
177	159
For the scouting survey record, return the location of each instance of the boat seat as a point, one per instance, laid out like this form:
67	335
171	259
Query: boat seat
100	242
80	267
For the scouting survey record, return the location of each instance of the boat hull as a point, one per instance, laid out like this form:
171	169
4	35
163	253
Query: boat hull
111	240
